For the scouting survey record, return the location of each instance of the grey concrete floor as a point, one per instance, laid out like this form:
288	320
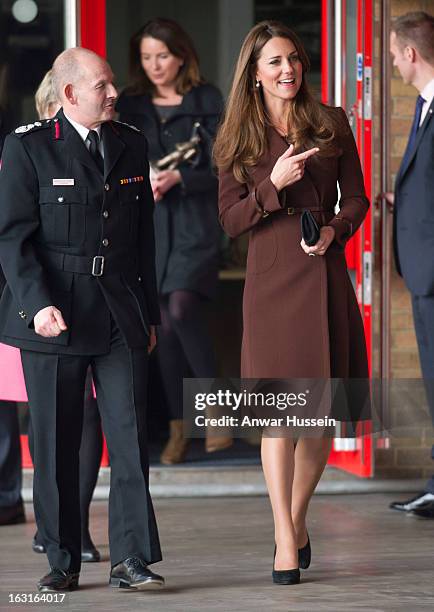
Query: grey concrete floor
218	557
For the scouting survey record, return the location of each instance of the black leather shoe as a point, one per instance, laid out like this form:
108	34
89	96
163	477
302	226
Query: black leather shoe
12	515
133	573
58	580
420	500
304	555
89	552
426	512
90	555
37	547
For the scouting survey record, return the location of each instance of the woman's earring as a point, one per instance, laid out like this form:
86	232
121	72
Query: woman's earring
258	84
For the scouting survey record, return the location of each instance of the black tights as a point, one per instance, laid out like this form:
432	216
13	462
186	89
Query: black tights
90	455
184	345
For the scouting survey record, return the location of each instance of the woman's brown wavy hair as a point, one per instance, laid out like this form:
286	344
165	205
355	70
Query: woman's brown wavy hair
178	42
242	139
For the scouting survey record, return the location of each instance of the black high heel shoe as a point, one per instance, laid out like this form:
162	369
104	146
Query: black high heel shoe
304	555
291	576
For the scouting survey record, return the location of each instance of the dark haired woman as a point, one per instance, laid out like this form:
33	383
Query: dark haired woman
280	152
167	96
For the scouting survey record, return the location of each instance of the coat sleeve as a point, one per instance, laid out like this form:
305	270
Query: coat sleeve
353	203
19	219
147	249
242	207
203	178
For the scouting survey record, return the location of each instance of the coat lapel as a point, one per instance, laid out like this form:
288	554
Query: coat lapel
113	147
419	137
74	144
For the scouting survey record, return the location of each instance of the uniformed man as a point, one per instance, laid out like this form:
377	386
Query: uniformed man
77	249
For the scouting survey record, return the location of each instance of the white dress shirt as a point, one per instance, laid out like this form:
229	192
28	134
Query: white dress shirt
427	94
84	131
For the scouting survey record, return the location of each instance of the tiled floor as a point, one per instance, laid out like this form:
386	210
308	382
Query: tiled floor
218	556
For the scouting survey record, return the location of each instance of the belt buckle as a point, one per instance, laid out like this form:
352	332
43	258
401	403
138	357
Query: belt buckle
290	210
98	265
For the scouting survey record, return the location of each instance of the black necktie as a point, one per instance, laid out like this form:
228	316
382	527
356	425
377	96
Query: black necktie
93	139
412	138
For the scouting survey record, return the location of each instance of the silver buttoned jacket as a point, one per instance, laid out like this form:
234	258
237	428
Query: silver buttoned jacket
76	239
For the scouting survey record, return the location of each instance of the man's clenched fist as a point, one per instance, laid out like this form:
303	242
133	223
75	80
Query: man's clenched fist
49	322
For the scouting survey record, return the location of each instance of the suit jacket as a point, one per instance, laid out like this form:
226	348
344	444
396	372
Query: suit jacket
57	213
414	213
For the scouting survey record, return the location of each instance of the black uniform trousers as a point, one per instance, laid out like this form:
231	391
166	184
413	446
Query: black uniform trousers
90	457
423	315
55	385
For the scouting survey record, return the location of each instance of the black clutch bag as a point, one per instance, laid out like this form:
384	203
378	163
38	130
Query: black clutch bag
309	228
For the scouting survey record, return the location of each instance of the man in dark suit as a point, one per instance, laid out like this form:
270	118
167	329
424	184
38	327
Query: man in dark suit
412	48
77	249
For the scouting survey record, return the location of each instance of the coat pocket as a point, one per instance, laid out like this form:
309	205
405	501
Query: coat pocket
63	215
133	283
262	248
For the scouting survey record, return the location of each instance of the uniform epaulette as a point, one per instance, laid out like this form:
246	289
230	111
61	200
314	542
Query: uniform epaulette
31	127
132	127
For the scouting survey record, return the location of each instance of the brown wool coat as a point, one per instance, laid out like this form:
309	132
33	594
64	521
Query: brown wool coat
301	317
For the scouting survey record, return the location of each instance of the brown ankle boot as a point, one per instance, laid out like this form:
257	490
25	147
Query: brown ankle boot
217	443
176	447
217	438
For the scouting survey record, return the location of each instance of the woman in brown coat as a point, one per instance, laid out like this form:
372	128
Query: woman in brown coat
281	152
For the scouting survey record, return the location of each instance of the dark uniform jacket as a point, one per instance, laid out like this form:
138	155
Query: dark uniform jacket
57	213
187	231
414	213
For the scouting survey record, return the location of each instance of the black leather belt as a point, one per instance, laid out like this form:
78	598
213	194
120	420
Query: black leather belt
93	266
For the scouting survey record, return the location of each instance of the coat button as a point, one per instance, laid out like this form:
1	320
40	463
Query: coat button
139	278
61	199
105	242
105	214
137	197
106	186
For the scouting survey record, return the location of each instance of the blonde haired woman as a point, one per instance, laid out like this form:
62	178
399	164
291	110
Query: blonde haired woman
280	152
46	100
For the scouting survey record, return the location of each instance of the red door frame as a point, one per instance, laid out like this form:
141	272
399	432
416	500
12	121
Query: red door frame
92	33
359	249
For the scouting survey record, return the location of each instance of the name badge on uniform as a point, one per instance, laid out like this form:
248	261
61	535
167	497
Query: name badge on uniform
63	182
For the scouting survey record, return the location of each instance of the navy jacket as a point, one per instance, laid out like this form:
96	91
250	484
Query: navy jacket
57	213
414	213
187	231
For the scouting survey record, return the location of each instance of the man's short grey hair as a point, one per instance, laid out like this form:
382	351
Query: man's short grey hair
68	68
